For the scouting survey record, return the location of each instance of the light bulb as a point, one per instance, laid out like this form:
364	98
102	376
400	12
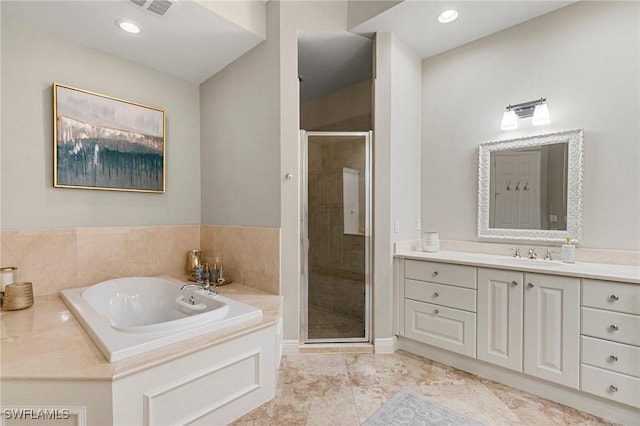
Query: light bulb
509	121
128	26
448	16
541	115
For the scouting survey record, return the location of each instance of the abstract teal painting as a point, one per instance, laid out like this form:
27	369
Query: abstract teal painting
101	142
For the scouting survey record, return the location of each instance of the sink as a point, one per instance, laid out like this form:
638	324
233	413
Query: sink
540	263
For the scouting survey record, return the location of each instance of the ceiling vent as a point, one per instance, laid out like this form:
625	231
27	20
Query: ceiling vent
157	7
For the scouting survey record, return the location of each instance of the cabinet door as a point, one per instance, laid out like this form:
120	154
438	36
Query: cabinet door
552	328
500	317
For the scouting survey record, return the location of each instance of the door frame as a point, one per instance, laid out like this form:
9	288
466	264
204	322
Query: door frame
304	236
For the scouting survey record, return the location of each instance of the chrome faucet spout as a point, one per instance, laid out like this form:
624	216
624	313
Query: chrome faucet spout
204	286
532	254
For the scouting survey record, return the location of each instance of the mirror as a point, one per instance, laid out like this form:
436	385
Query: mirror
530	188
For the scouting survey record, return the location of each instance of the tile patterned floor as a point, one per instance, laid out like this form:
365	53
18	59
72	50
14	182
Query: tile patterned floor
345	389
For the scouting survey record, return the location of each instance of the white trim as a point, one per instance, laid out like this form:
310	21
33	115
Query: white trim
290	347
386	345
574	139
609	410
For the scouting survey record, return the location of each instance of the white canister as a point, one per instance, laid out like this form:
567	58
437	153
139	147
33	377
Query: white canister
8	275
430	242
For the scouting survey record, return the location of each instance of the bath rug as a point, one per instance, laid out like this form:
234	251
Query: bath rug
407	408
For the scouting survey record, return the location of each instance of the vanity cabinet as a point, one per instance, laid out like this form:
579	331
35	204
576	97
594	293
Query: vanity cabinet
530	323
439	305
610	340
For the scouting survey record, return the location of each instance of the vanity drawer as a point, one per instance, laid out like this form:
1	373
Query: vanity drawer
441	273
610	385
440	294
446	328
612	356
611	296
623	328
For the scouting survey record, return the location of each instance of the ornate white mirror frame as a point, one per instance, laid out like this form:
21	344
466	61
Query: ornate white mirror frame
574	187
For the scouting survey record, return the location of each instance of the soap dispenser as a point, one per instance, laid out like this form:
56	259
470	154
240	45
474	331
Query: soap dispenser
568	251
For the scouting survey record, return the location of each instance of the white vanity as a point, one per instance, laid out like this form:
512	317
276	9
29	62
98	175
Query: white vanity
567	332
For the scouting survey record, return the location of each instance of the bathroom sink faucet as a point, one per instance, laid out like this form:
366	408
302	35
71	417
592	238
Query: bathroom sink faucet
532	254
517	252
547	256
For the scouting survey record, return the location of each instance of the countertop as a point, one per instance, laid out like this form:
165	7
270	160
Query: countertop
46	342
600	271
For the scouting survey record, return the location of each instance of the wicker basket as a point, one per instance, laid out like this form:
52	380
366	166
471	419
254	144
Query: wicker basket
17	296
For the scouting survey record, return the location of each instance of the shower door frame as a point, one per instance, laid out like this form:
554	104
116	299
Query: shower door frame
304	236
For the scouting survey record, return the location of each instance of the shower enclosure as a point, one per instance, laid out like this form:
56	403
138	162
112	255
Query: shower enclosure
336	223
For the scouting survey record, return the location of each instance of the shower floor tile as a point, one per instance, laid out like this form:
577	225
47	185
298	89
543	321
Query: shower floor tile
324	324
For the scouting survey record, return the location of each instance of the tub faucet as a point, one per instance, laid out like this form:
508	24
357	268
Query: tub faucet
203	286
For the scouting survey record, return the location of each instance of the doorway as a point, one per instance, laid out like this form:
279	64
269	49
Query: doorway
336	237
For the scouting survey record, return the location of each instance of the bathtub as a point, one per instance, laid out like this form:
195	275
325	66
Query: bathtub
133	315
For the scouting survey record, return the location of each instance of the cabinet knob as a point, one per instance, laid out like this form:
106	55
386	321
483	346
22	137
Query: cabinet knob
613	357
436	312
436	294
613	388
614	297
530	285
435	273
514	282
614	327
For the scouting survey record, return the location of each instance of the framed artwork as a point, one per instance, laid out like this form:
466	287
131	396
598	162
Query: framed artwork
101	142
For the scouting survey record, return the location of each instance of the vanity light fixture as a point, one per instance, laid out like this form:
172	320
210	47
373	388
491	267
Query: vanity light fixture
448	16
537	109
128	26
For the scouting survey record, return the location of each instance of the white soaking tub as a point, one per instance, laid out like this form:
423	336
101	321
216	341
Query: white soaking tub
129	316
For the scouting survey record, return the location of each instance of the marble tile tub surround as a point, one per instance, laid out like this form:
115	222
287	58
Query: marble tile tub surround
589	255
250	255
64	258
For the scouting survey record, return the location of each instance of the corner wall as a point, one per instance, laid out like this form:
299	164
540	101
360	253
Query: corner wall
240	136
31	62
585	59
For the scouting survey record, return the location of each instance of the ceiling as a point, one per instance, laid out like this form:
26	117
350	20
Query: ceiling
416	22
189	41
192	42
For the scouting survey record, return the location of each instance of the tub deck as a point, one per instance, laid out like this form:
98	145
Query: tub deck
46	342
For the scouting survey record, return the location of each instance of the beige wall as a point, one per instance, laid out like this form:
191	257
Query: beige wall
240	136
64	258
31	61
585	59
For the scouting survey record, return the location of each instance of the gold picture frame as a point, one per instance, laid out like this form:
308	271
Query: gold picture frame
106	143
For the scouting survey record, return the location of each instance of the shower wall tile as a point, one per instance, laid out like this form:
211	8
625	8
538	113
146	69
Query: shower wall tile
46	258
251	256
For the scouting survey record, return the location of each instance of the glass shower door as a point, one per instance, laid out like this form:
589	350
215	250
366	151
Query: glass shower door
336	229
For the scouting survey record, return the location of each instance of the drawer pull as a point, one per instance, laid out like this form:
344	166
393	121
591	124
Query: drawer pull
614	297
436	294
435	273
436	312
614	327
530	285
514	282
613	388
613	357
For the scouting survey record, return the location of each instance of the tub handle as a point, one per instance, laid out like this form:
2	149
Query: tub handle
197	307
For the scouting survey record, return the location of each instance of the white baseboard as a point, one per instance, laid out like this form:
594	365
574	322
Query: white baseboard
601	407
290	347
385	345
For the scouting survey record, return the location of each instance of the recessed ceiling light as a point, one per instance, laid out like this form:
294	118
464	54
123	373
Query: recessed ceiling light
448	16
128	26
